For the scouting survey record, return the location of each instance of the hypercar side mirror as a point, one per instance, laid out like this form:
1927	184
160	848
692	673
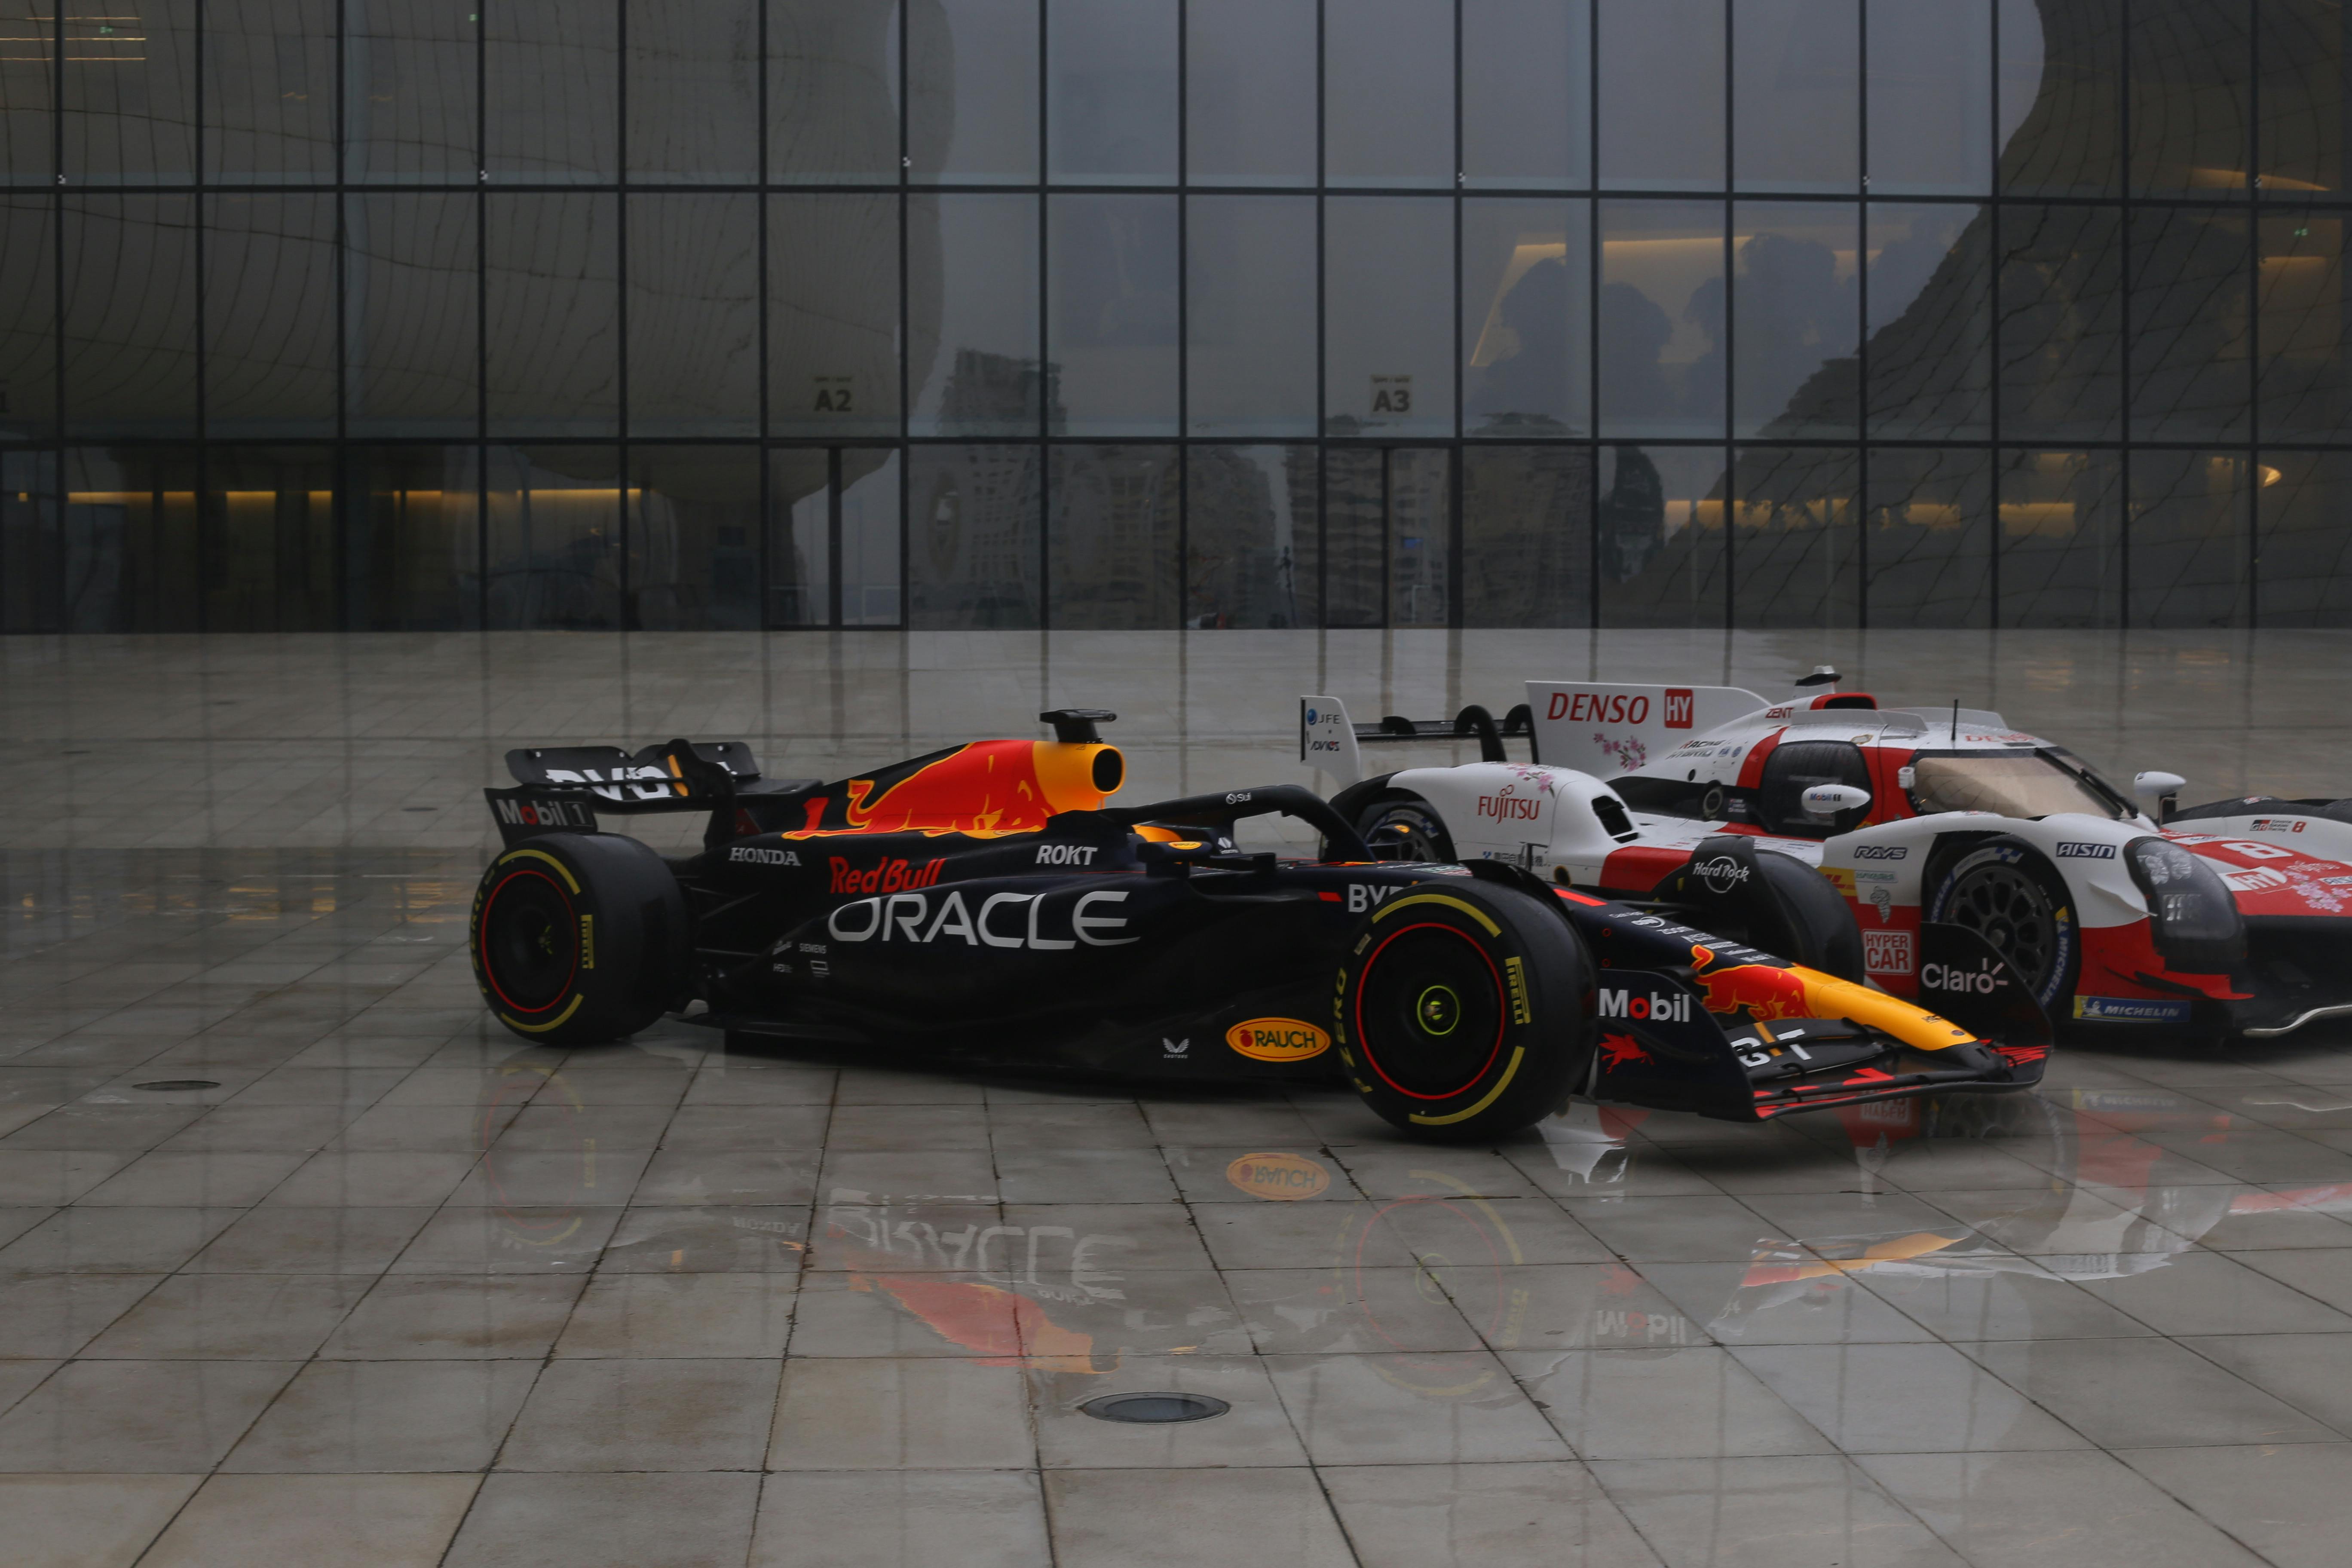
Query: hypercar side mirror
2160	790
1827	800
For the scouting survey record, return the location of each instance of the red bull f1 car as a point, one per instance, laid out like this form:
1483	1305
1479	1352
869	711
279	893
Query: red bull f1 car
2227	920
989	898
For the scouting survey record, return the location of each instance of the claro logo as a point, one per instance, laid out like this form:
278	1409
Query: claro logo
1277	1039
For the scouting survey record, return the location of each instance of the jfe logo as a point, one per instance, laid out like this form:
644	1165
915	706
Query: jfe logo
1665	1009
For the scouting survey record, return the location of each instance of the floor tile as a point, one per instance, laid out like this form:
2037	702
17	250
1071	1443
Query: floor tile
1798	1512
206	1180
2212	1293
607	1522
910	1314
2311	1371
1794	1298
2025	1510
1083	1176
1694	1402
1999	1297
2145	1392
1676	1229
81	1240
320	1522
1291	1174
688	1177
771	1240
2291	1503
1873	1399
355	1417
648	1315
516	1240
1193	1519
339	1180
313	1240
1410	1409
670	1415
1317	1311
86	1521
1482	1516
898	1412
175	1417
231	1317
975	1519
445	1316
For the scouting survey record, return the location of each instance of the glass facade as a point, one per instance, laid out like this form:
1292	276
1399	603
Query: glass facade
1146	313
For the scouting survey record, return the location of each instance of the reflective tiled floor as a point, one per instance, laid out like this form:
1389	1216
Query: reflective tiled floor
401	1291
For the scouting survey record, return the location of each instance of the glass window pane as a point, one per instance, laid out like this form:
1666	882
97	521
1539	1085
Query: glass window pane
2061	310
1527	318
28	66
414	69
972	81
694	90
2304	388
1111	75
833	314
833	90
551	330
1930	321
1661	75
269	91
694	539
28	317
2190	348
268	540
2191	63
1249	124
1526	536
973	525
1111	538
872	520
269	315
1662	319
1250	537
1660	527
1421	536
130	539
2190	556
1388	347
414	522
1796	95
1797	550
413	314
1388	94
1931	97
551	83
130	93
800	538
2060	541
32	545
973	320
2061	97
1250	319
555	538
693	315
1355	536
2305	577
1796	312
1527	110
1111	321
130	315
1927	538
2300	94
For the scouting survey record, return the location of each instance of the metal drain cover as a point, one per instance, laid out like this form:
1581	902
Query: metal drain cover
1154	1407
166	1085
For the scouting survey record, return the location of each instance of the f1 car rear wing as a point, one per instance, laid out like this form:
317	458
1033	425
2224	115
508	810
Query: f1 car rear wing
1328	741
566	788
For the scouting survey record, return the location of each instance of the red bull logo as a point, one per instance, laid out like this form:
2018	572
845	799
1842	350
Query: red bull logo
999	786
888	877
1765	993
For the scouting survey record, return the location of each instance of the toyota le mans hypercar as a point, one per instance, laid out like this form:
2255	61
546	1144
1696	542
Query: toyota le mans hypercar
987	897
2227	920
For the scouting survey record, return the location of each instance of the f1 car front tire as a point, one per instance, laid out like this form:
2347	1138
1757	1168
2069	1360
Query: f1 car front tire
578	937
1411	823
1461	1011
2003	890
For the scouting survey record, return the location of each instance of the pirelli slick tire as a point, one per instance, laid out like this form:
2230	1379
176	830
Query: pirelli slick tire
578	937
1461	1011
2002	889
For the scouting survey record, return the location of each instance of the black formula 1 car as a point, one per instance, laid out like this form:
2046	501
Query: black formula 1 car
987	897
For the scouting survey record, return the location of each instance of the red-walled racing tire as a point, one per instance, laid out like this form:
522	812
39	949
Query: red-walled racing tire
578	937
1461	1012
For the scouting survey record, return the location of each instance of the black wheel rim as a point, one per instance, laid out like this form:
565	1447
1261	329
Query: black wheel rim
1411	829
1429	1011
530	942
2007	907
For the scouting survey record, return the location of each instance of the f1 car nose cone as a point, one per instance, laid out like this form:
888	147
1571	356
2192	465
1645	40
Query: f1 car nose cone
1439	1009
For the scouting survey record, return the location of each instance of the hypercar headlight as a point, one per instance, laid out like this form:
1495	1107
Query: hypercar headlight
2196	920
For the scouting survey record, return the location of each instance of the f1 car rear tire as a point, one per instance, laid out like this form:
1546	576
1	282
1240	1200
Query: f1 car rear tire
1413	821
1461	1012
578	938
2003	890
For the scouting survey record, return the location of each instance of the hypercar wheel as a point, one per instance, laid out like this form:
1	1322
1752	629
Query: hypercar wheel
1412	822
1460	1013
2003	890
578	937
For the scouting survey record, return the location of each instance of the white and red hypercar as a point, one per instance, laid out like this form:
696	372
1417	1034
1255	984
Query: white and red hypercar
2233	918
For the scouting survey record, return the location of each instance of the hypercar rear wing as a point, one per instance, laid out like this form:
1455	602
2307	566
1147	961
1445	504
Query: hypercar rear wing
566	788
1328	741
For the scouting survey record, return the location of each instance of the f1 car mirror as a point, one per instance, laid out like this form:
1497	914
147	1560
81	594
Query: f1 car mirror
2158	791
1827	800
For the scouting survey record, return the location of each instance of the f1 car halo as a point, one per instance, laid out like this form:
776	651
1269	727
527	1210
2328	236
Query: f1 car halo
987	897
